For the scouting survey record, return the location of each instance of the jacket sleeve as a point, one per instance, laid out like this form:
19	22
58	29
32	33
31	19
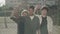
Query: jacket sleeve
50	24
14	19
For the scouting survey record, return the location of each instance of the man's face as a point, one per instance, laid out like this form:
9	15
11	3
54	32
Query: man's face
44	12
31	11
24	14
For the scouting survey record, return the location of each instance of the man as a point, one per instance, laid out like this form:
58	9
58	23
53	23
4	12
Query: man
46	22
32	22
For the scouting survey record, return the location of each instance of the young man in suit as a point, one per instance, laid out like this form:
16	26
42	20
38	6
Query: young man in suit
32	22
46	22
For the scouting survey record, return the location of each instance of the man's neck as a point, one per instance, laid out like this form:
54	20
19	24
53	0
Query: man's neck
32	15
44	15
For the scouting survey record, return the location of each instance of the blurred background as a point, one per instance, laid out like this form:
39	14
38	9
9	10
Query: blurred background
7	26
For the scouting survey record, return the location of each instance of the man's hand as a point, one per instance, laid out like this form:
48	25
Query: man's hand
15	13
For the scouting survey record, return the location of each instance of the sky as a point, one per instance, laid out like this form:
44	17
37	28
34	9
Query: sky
2	2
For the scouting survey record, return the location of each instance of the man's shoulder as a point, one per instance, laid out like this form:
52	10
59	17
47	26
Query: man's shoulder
36	17
48	17
22	17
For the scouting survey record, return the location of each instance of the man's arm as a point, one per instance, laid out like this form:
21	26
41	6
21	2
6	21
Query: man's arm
50	25
14	15
15	19
38	28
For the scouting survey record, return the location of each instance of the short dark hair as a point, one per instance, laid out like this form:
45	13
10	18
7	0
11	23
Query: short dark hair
32	7
45	8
